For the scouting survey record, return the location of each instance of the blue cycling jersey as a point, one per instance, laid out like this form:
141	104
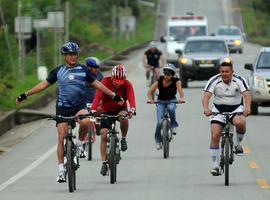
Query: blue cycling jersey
90	90
71	84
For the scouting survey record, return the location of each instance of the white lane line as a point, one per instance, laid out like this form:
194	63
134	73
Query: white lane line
27	169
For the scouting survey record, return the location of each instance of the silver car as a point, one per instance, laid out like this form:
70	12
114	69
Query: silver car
259	80
200	58
233	37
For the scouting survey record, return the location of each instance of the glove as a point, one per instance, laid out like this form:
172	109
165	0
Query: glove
22	97
117	98
94	113
132	112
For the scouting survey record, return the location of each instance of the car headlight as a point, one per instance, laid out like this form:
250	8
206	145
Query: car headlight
237	42
258	82
185	61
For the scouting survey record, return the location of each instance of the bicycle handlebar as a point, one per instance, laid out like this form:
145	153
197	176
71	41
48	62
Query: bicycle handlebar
90	116
227	113
156	102
69	118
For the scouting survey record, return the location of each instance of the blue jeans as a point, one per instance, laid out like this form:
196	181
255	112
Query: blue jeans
161	105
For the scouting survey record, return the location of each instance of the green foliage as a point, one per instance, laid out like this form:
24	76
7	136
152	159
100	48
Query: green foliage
90	24
256	16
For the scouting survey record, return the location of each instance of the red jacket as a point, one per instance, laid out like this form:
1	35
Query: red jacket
126	92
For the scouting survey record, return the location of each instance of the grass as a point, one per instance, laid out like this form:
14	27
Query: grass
144	32
256	23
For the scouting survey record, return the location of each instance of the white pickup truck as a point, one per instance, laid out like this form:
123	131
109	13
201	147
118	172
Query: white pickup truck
179	28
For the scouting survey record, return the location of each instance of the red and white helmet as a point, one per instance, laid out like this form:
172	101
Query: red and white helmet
119	74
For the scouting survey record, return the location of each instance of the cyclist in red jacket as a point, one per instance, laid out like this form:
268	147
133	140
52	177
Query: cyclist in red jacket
118	83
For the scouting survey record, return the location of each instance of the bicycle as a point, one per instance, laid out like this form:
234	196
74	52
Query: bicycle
71	159
166	131
92	132
113	156
227	144
152	80
152	75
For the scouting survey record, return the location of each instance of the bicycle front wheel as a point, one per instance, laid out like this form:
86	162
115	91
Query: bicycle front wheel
112	161
70	166
89	146
227	159
165	138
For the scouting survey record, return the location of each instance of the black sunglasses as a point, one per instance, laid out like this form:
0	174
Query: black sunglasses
168	73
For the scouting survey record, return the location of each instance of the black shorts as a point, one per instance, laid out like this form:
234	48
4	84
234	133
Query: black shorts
68	112
107	123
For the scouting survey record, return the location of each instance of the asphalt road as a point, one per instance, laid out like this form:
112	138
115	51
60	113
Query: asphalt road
29	168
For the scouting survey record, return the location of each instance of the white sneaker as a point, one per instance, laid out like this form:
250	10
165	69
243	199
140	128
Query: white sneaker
174	131
81	152
158	146
61	177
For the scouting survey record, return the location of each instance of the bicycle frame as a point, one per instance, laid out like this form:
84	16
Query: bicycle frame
112	150
71	159
166	131
227	144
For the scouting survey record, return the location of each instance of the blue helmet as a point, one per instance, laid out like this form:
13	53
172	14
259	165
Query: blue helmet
92	62
70	47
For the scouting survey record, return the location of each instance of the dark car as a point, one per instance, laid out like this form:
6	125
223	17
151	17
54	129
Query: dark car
200	58
259	80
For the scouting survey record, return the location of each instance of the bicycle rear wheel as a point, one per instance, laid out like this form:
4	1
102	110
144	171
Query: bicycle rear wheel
227	160
71	166
112	161
165	138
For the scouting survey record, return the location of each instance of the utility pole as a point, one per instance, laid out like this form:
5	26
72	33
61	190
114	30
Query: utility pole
126	17
21	44
114	7
67	21
7	42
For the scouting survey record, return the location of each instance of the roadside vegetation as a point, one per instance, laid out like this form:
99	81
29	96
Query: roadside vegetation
256	17
90	25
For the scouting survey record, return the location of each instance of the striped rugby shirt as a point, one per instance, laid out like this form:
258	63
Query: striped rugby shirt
227	94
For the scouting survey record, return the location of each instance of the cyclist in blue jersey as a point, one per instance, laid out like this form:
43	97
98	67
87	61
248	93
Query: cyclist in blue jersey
93	65
71	100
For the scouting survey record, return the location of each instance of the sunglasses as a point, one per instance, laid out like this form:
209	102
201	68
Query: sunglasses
167	74
119	82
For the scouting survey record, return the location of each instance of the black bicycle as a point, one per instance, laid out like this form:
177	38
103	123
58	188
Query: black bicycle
113	156
227	144
70	149
166	131
152	80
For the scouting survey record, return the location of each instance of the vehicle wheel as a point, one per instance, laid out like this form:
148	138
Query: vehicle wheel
184	83
254	108
240	51
182	78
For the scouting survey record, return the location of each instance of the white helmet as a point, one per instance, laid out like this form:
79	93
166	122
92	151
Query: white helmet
169	67
153	44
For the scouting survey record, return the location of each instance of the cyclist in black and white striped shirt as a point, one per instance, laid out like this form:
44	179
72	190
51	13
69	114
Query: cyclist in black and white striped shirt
228	89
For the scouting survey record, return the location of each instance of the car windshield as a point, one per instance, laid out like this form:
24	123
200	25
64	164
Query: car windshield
264	60
181	33
206	47
228	31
